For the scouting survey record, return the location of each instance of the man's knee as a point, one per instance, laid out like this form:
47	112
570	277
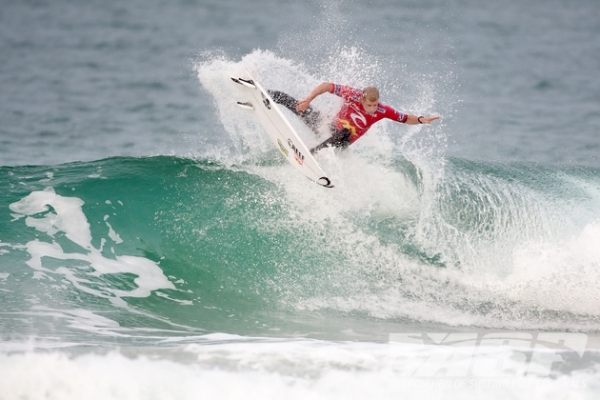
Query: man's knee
339	139
283	98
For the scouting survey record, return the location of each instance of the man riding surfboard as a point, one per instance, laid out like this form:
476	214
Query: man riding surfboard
361	109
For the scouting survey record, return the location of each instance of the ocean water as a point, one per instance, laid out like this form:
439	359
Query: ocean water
154	244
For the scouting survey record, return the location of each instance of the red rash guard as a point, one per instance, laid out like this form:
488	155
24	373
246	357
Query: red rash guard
353	116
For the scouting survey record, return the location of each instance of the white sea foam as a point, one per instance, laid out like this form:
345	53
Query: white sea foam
564	275
111	232
226	366
66	216
51	213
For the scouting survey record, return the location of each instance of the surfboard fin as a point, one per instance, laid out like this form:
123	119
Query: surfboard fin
245	105
246	82
325	182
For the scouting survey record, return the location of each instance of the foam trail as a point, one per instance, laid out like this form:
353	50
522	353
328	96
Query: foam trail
64	214
67	216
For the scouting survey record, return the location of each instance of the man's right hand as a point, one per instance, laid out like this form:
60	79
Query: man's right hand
319	90
303	104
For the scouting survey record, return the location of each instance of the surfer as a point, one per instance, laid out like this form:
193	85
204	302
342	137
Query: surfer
361	109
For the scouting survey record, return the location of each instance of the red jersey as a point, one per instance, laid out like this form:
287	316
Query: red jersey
353	116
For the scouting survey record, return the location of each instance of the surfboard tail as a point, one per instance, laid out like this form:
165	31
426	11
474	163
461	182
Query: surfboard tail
246	82
245	105
325	182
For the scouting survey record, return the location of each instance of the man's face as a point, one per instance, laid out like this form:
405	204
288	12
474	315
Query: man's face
370	106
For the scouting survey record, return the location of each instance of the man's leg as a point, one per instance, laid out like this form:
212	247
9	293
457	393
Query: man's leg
339	139
311	117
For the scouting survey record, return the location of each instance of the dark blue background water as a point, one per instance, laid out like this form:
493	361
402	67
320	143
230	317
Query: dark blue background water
515	80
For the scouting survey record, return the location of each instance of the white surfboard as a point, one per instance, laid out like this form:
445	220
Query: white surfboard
279	129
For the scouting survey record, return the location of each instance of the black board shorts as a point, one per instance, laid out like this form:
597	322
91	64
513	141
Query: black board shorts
312	118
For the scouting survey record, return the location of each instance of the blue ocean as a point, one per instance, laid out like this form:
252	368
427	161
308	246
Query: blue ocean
154	244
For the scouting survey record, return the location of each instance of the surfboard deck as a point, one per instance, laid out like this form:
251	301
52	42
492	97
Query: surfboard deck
279	129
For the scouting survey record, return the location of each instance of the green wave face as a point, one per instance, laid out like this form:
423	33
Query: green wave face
177	245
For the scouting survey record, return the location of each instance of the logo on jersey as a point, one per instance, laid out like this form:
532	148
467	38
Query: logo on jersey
359	120
346	124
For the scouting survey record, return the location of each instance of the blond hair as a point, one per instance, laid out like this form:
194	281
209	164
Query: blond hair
370	93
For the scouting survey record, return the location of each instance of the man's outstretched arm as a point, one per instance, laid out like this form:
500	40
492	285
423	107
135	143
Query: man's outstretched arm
415	120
